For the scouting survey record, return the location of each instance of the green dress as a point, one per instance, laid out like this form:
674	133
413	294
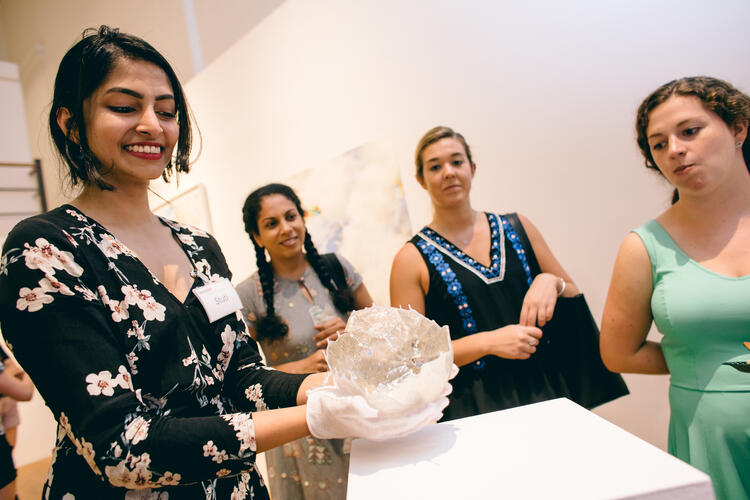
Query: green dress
704	317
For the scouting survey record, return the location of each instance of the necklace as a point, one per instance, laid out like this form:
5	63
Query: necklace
462	241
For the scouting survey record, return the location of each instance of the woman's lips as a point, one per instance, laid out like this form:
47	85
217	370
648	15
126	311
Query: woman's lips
682	168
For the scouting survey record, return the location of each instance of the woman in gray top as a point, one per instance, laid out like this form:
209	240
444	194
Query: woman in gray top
293	304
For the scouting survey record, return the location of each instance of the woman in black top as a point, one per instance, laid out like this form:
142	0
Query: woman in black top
468	269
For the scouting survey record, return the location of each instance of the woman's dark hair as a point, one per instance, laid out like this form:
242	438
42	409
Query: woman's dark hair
717	96
82	70
431	137
271	326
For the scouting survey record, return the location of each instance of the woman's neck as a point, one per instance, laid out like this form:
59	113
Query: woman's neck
453	219
290	268
121	207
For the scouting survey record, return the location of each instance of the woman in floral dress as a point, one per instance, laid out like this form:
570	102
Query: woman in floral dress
293	304
126	321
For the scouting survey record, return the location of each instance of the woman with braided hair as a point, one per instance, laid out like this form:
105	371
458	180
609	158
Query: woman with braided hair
293	304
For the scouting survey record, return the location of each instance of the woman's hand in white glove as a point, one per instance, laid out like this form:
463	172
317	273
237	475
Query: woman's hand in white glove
331	414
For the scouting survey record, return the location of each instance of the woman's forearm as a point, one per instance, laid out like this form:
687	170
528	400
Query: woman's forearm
290	367
468	349
647	359
276	427
20	389
310	382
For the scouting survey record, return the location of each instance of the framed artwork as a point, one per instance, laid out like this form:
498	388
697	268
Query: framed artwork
355	206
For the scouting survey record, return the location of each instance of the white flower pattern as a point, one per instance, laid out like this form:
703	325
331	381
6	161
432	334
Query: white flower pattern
210	450
49	284
119	310
254	394
137	430
242	423
33	300
101	383
47	257
111	247
134	306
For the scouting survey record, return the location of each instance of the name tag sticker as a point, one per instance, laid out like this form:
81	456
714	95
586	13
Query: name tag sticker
218	299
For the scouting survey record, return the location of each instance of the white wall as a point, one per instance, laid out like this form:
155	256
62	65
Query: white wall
37	33
14	143
36	436
545	93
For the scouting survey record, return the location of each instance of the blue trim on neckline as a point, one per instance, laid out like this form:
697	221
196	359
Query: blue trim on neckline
518	247
496	248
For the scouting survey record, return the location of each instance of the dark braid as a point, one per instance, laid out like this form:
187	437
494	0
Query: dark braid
271	326
342	299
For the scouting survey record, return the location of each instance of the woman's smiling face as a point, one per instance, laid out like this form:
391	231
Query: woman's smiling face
281	228
131	123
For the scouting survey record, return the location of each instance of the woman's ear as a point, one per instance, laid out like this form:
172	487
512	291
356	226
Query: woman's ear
420	180
64	117
473	169
740	132
256	239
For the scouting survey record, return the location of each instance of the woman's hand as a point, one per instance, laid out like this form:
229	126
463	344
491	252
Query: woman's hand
539	302
15	369
316	362
512	341
331	414
6	404
330	328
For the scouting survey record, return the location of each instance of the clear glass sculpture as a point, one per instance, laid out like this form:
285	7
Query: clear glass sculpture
395	358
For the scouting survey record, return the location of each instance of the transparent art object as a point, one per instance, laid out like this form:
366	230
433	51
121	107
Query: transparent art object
395	358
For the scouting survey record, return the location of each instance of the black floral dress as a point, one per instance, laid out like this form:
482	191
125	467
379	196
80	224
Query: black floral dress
471	298
152	400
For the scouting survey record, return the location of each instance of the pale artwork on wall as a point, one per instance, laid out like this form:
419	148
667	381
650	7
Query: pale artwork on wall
355	206
189	207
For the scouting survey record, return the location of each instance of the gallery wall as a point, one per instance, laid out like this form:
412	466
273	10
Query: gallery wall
35	34
36	435
545	93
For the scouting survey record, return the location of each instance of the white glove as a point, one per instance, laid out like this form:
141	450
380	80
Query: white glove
331	415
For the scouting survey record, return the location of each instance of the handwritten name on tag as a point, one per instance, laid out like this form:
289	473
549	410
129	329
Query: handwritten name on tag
218	299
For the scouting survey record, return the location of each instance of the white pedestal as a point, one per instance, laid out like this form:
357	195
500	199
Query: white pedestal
550	450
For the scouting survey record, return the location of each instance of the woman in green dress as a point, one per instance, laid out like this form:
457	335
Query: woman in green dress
688	271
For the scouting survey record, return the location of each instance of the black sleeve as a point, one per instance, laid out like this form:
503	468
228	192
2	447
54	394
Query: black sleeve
62	333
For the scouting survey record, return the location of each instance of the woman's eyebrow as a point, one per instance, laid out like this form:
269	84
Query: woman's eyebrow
137	95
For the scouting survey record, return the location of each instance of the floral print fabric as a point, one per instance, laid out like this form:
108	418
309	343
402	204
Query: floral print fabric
151	399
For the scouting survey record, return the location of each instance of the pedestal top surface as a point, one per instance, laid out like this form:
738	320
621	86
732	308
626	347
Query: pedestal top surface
552	450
